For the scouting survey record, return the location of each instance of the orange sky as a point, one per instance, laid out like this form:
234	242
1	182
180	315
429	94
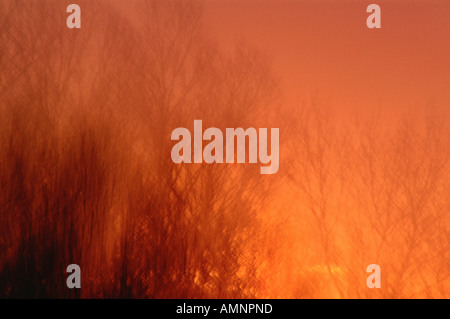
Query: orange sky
326	47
